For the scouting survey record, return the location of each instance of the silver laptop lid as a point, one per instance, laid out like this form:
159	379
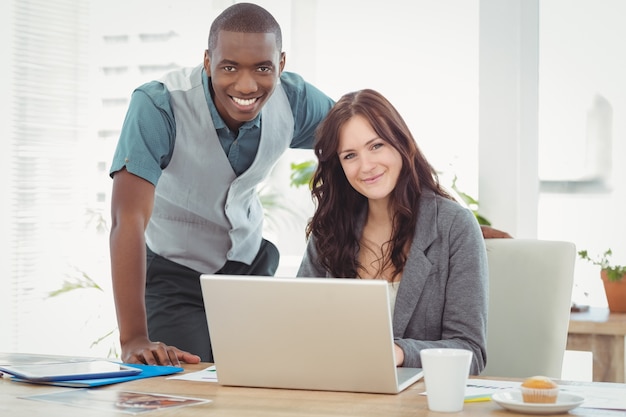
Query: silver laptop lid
301	333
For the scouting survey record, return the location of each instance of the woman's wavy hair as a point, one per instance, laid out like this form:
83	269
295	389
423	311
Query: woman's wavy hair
334	223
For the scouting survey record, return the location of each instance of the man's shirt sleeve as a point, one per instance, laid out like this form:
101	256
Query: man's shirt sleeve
147	138
309	106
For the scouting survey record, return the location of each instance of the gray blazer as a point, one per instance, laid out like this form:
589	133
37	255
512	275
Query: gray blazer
442	298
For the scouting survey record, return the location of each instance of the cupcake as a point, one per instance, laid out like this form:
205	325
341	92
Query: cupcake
539	389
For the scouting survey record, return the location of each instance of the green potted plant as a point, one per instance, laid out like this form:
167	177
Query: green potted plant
613	277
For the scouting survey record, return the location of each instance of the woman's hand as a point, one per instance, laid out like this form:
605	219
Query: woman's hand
399	355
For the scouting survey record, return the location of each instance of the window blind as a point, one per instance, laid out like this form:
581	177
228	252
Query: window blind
47	115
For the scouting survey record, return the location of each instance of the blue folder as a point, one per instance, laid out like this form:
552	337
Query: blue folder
147	371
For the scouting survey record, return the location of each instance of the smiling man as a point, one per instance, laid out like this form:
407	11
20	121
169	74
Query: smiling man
193	148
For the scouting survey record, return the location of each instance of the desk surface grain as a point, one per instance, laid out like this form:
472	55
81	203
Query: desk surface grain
248	402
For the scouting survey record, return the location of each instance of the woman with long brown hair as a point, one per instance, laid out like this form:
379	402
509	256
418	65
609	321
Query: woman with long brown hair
382	214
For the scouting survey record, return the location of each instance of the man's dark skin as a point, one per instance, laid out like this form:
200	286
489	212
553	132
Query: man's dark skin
244	70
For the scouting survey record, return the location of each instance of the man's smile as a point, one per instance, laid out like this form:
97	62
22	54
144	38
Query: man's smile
244	102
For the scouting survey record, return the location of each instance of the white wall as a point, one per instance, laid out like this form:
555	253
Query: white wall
582	152
424	56
508	112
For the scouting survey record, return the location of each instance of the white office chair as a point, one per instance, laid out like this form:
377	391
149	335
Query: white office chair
530	290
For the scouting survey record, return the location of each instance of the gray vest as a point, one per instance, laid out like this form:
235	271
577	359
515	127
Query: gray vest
204	215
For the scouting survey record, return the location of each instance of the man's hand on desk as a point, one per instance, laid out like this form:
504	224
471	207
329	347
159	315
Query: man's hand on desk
155	353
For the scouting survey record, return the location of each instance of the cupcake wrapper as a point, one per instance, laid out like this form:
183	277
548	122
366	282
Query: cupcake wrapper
538	395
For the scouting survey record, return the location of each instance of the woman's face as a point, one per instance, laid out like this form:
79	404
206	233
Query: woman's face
372	166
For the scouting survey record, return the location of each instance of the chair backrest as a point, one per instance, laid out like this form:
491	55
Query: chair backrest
530	290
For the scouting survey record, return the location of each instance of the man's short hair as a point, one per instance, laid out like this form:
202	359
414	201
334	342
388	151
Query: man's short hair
245	18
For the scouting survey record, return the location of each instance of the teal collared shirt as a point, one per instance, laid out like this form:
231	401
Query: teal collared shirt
148	134
240	147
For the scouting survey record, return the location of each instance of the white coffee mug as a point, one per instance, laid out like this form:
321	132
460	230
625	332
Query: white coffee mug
445	375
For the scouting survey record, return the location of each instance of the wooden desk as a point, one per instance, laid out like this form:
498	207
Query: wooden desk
250	402
603	334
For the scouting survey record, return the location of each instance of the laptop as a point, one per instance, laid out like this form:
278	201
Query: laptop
303	333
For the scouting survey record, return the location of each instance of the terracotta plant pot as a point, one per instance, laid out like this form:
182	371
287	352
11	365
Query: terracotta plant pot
615	293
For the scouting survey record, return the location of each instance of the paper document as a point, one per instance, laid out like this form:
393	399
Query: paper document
601	395
485	388
607	396
206	375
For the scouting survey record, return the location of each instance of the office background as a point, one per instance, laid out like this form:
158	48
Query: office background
69	68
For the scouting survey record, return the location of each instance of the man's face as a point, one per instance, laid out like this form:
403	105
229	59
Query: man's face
244	70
